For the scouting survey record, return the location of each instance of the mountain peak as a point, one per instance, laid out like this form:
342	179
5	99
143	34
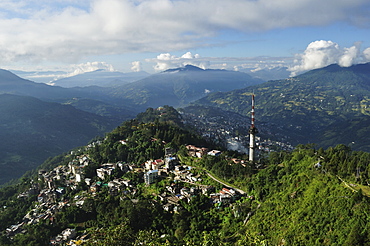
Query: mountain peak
185	68
192	68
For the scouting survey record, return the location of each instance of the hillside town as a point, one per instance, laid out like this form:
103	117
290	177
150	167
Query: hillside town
68	185
230	130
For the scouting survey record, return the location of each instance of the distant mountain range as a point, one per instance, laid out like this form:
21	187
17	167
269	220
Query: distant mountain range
32	130
92	99
267	74
175	87
39	76
326	106
180	86
12	84
101	78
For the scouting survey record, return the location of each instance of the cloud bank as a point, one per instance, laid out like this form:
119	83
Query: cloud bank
166	61
39	30
322	53
76	69
90	67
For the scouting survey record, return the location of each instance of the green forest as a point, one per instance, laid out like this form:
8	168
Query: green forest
310	196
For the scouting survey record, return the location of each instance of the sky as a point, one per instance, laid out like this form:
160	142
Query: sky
76	36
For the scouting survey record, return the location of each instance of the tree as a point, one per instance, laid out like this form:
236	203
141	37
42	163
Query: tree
150	238
112	236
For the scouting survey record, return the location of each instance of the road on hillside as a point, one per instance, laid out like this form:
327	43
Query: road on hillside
219	181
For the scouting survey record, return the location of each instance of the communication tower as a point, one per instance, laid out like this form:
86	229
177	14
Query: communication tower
252	134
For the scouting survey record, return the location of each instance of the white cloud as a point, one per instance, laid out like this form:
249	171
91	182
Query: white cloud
189	55
136	66
367	54
317	54
322	53
166	61
41	30
349	56
163	61
76	69
50	74
90	67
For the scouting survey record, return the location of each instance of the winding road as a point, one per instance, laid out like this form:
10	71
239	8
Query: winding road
215	179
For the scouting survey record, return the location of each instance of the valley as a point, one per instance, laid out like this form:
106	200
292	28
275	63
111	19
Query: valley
313	107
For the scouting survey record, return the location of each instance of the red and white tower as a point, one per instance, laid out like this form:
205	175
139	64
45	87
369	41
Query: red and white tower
252	134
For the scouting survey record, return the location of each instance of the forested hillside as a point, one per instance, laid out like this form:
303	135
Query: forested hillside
309	108
310	196
32	130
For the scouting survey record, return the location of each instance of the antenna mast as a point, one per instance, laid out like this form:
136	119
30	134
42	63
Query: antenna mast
252	134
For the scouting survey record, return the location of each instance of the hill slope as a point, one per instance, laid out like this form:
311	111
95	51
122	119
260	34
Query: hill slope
311	198
32	130
305	107
92	99
178	87
12	84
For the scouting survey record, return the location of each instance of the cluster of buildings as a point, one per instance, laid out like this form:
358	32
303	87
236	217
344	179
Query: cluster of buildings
269	145
69	237
153	169
224	196
63	237
53	187
15	229
186	184
201	151
49	195
231	131
177	192
49	191
217	127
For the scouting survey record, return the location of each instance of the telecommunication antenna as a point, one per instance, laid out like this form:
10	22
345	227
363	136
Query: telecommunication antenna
252	134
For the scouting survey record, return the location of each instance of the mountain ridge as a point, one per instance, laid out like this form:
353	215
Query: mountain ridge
305	105
33	130
100	78
178	87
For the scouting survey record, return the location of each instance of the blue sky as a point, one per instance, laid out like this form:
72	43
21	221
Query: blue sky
152	35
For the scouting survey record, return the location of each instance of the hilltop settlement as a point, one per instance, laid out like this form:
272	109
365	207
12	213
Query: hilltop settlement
70	186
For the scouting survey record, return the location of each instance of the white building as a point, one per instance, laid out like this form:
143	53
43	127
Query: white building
105	170
150	176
